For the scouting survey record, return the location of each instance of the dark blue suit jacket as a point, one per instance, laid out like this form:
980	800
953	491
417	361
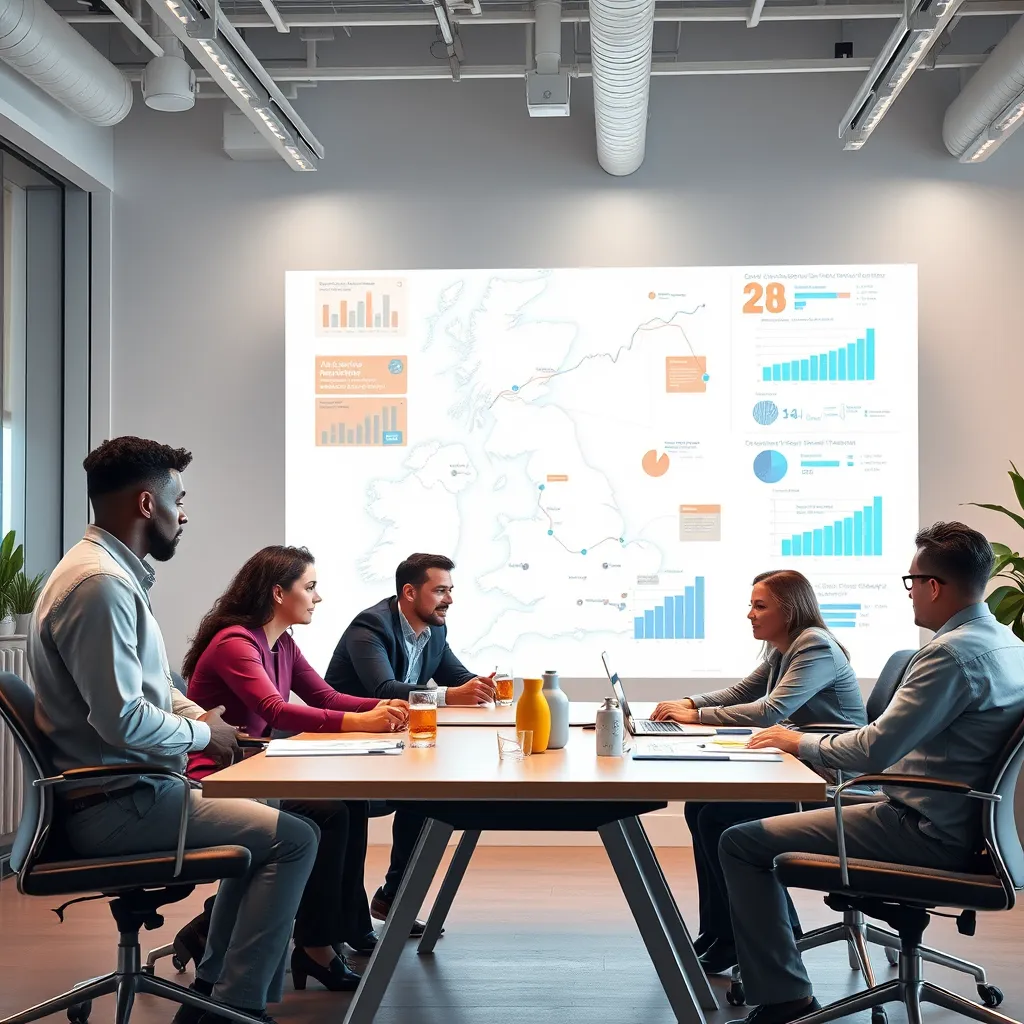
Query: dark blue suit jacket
371	661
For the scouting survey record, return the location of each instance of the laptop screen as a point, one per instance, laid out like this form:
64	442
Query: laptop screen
620	693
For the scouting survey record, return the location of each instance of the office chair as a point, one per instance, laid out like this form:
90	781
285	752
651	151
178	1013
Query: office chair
136	885
853	929
905	897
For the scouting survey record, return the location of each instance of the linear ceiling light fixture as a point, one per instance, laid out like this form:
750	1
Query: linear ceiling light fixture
904	50
205	36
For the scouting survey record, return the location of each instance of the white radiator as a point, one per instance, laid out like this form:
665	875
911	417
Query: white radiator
12	659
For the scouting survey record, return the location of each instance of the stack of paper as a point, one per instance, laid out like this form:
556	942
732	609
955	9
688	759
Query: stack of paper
332	747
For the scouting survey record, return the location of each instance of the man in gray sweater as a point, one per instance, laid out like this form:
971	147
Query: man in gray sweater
960	701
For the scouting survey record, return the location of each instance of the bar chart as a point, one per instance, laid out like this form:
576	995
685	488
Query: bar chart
360	306
853	361
854	535
839	616
360	422
800	299
673	617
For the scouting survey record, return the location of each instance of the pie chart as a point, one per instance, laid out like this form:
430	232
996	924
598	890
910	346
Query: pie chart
655	464
770	466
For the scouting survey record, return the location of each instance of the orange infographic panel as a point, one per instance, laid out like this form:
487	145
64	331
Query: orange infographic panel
360	422
686	374
362	375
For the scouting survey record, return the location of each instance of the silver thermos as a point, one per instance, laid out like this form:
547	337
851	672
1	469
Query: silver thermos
609	729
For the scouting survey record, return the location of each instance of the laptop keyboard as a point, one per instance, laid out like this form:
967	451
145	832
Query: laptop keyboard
647	725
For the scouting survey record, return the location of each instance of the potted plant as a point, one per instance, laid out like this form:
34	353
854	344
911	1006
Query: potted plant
25	592
1007	600
11	561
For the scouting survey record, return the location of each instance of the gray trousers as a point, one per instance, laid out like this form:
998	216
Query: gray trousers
252	916
773	971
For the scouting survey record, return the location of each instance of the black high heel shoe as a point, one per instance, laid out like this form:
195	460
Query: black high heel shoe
338	977
364	945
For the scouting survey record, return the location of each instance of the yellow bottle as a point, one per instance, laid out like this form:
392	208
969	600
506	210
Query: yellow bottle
533	713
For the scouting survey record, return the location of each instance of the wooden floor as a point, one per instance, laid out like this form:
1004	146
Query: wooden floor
536	935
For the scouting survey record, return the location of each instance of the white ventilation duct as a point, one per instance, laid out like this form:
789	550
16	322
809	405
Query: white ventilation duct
621	34
984	101
37	42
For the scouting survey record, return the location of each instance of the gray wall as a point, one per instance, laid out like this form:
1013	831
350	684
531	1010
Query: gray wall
738	170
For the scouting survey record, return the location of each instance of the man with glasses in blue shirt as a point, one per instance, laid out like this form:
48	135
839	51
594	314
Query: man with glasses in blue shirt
960	701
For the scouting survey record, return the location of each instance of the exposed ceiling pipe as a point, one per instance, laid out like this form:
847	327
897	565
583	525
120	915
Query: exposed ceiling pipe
548	45
621	34
312	18
990	106
37	42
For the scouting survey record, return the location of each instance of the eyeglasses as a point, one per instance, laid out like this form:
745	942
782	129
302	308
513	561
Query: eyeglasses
908	581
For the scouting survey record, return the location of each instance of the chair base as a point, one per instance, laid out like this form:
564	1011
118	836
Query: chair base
130	978
858	935
912	991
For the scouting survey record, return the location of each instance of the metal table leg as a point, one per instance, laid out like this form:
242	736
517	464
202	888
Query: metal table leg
658	886
449	887
684	1002
419	874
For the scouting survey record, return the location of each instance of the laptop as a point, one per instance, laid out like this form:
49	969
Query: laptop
641	726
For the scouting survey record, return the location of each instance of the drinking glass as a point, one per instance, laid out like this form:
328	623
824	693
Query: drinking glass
502	689
423	718
515	748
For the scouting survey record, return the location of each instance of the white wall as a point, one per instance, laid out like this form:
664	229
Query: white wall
738	170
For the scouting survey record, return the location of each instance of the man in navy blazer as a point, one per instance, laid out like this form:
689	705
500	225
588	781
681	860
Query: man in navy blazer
398	645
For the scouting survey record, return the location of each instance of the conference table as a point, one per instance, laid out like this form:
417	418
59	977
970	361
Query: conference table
461	785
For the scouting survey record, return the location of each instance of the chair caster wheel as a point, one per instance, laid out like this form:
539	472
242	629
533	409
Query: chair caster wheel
79	1013
990	995
878	1015
179	964
892	955
736	996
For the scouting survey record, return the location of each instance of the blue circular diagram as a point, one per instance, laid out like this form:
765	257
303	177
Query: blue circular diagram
766	413
770	467
395	366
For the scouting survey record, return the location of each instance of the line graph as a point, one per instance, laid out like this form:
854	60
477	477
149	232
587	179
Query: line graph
655	324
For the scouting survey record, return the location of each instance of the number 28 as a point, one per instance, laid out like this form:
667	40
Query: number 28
773	294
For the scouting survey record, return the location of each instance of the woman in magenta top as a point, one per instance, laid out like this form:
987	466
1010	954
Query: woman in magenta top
244	659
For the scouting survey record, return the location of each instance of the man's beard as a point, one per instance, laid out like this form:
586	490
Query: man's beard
160	548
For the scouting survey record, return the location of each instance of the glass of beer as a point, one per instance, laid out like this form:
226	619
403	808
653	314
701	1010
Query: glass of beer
502	689
423	718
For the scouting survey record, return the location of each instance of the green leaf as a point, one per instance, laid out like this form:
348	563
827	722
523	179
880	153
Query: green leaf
1009	608
1001	550
1018	485
1019	520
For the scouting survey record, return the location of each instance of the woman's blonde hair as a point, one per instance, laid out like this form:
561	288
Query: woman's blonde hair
798	602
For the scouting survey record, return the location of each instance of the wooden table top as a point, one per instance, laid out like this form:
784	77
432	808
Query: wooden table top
465	766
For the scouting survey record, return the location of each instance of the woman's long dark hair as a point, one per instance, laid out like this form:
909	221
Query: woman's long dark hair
249	599
798	601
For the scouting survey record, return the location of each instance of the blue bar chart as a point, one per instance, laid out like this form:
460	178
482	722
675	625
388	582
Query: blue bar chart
853	361
858	535
840	616
674	617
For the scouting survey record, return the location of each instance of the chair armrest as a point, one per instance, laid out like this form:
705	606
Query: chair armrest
825	728
108	771
253	742
906	782
113	771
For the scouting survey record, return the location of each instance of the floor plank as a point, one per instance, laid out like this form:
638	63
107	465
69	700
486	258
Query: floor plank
537	932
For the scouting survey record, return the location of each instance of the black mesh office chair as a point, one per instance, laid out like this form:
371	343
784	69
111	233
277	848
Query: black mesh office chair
905	897
136	885
853	929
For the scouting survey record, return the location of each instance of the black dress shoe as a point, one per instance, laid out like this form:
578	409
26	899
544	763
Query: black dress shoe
703	942
380	907
780	1013
364	945
719	957
338	977
192	1014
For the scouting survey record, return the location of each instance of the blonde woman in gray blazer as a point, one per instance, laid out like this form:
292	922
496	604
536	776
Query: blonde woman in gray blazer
805	677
